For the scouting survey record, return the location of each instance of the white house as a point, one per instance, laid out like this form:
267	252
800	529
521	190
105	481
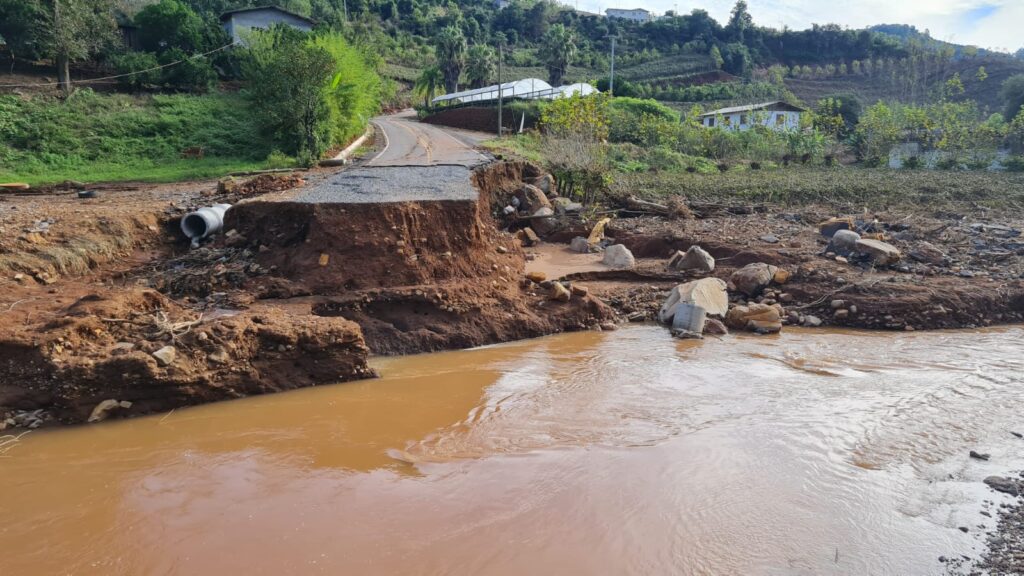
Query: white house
776	115
634	14
237	23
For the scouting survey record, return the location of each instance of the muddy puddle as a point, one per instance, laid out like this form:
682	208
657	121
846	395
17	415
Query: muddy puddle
592	453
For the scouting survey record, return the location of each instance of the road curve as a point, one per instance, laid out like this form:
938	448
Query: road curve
408	142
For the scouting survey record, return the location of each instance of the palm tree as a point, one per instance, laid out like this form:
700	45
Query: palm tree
557	50
479	65
451	56
429	83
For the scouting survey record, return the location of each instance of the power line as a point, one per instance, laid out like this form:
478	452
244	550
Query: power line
162	66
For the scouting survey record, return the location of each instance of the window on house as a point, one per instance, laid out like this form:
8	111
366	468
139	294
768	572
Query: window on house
743	119
728	121
711	122
780	119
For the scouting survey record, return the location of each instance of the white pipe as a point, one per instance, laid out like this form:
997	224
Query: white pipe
204	222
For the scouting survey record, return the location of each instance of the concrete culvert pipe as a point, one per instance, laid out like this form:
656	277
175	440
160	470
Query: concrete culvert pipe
204	222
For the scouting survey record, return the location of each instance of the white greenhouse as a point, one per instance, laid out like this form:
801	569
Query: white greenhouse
526	89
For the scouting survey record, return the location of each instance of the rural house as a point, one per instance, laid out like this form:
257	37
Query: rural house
238	22
776	115
635	14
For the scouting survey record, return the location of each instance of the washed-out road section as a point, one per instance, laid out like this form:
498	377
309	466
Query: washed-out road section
418	163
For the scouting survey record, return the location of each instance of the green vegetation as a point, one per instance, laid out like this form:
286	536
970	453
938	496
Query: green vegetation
91	137
851	187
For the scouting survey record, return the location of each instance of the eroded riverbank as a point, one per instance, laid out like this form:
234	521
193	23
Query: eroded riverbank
622	452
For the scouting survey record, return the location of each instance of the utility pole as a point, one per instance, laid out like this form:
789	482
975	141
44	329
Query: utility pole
344	3
500	58
611	77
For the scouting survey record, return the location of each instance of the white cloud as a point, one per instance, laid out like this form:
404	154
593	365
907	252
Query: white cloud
954	20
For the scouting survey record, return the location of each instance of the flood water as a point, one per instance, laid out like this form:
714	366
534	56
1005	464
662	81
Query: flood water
594	453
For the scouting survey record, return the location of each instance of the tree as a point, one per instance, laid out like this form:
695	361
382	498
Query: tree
450	48
17	32
981	75
716	58
429	83
1012	94
73	30
740	21
288	78
169	24
557	51
480	64
954	87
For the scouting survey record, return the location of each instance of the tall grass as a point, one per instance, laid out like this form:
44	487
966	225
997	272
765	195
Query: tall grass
92	137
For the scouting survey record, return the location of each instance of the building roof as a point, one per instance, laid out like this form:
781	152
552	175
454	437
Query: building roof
517	88
628	10
776	105
229	13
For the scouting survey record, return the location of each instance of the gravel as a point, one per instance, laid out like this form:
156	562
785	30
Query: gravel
374	185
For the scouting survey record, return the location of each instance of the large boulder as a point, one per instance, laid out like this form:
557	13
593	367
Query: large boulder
844	242
753	278
531	199
619	257
755	317
708	293
881	253
696	258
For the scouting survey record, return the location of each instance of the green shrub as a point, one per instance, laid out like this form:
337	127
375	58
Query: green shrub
1014	164
190	74
130	64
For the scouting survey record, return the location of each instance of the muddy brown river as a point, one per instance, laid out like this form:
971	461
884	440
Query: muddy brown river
593	453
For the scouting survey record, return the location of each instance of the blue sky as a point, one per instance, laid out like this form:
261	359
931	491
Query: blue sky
994	24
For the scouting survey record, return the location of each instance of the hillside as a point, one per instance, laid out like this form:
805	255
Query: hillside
870	89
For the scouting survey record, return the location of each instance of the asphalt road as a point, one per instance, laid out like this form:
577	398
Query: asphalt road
410	143
419	162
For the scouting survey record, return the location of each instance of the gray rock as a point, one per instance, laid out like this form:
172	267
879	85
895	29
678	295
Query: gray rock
546	183
103	409
532	198
844	242
619	257
707	293
753	278
543	221
812	321
579	244
770	239
566	206
696	258
1004	485
166	355
219	356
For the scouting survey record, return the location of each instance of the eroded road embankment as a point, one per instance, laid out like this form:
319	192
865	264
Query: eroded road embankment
302	287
